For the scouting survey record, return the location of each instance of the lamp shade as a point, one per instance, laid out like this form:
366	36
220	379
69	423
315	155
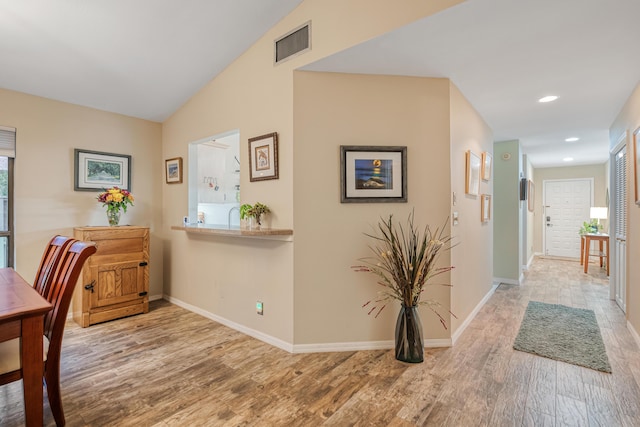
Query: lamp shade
598	213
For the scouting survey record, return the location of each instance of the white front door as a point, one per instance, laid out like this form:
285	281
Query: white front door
566	207
619	227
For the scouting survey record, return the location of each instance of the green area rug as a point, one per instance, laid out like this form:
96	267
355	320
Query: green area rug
563	333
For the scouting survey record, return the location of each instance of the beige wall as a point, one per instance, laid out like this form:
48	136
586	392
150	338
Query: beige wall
628	121
45	202
256	97
600	179
333	109
473	257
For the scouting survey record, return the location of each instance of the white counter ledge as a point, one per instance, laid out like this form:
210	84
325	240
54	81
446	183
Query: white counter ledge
234	231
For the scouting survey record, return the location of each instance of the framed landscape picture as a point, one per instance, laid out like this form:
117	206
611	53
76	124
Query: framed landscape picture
96	170
173	170
373	174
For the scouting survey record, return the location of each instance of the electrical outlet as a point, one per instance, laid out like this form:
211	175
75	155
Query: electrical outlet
259	308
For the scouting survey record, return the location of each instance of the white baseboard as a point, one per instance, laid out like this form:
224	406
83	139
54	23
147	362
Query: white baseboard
276	342
499	280
300	348
634	333
363	345
473	313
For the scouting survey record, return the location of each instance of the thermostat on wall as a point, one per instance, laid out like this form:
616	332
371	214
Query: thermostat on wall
506	156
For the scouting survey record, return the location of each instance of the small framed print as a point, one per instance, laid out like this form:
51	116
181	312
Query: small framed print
173	170
485	207
531	197
373	174
636	164
96	170
472	181
263	157
487	160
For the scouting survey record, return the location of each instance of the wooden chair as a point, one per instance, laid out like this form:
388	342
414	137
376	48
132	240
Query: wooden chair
49	262
66	274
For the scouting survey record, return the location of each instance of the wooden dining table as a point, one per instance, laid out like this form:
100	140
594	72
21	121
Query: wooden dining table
22	312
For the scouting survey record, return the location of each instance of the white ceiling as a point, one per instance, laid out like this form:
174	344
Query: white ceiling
145	58
505	54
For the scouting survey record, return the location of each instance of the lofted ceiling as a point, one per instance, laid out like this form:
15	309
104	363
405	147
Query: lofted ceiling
141	58
145	58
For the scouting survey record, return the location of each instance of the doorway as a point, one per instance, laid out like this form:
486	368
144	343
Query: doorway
566	207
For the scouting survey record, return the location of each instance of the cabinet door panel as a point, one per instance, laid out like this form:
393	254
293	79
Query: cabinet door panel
117	283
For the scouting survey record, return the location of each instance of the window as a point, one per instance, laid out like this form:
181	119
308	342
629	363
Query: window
7	153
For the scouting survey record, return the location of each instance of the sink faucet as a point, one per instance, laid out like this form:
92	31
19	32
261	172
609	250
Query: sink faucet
235	208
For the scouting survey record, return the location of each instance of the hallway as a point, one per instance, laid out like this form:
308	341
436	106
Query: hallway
171	367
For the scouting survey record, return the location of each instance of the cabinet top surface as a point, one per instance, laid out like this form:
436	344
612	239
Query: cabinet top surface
106	227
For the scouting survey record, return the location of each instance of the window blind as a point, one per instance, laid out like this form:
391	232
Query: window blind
7	141
621	193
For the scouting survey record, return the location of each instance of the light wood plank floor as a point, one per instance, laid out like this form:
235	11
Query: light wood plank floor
171	367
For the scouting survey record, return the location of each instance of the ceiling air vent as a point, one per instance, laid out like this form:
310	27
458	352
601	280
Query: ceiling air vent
293	43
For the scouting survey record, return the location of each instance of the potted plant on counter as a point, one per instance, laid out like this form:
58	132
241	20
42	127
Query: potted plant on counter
255	213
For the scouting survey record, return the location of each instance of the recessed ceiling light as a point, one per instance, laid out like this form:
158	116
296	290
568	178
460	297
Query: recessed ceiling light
548	98
572	139
568	159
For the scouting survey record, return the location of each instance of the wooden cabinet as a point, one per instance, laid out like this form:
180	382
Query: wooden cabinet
115	280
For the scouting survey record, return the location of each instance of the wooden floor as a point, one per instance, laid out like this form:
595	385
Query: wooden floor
171	367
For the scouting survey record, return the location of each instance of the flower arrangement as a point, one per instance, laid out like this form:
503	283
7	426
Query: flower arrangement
404	262
115	199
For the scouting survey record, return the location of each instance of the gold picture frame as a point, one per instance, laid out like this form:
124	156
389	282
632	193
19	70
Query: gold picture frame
487	162
636	164
173	170
472	179
485	207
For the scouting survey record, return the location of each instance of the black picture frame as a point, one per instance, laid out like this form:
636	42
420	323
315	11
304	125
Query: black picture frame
97	170
373	174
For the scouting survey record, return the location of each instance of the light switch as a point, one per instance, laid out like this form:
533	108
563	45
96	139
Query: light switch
455	218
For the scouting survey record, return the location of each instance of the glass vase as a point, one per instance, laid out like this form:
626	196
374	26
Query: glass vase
409	343
113	216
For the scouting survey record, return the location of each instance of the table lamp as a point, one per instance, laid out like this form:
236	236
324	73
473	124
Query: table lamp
598	213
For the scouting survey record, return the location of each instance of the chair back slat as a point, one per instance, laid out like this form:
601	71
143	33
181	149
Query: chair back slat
61	289
48	263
